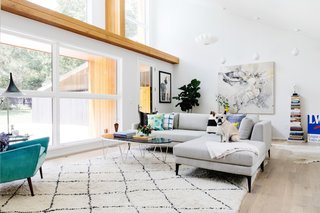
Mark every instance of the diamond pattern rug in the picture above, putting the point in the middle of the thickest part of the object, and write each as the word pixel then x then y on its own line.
pixel 138 184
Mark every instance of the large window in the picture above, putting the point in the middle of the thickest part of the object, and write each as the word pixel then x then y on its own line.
pixel 89 11
pixel 70 96
pixel 30 62
pixel 136 14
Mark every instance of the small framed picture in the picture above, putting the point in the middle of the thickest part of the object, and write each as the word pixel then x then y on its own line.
pixel 164 87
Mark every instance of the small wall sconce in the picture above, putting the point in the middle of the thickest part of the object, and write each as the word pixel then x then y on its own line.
pixel 256 56
pixel 295 51
pixel 223 60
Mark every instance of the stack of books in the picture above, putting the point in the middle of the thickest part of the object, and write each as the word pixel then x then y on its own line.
pixel 142 138
pixel 296 130
pixel 124 134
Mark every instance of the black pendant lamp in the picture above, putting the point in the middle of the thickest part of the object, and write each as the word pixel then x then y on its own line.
pixel 12 90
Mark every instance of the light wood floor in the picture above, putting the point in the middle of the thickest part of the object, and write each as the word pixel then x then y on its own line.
pixel 283 187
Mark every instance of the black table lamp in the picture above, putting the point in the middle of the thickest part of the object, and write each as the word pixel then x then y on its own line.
pixel 11 91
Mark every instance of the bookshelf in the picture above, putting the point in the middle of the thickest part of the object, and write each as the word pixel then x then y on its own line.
pixel 296 130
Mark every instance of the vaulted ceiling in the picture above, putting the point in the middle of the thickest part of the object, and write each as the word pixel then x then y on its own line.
pixel 301 16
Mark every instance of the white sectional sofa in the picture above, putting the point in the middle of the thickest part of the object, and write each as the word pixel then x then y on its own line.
pixel 190 137
pixel 187 126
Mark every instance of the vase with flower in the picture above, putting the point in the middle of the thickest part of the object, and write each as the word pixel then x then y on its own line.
pixel 145 130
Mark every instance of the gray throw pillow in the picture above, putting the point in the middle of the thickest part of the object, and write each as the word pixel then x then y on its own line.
pixel 245 129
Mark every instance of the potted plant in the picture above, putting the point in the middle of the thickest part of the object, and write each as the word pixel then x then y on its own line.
pixel 189 97
pixel 146 129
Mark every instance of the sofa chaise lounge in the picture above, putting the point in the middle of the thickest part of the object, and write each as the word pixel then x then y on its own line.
pixel 190 137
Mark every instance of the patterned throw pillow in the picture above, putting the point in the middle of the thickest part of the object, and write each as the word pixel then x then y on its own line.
pixel 212 125
pixel 155 121
pixel 236 119
pixel 168 120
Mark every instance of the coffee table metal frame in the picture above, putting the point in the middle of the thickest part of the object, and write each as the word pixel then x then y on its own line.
pixel 155 142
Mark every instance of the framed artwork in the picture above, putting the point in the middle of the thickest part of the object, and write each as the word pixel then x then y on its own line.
pixel 249 88
pixel 164 87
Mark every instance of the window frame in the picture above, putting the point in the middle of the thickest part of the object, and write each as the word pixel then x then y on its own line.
pixel 145 25
pixel 47 16
pixel 55 94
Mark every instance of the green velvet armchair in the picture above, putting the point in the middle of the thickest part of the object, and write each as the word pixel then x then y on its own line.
pixel 23 160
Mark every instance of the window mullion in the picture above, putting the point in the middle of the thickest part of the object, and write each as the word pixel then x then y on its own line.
pixel 55 98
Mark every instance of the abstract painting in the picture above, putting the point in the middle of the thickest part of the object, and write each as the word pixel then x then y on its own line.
pixel 164 87
pixel 249 88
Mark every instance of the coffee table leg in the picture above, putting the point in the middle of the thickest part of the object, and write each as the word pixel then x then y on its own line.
pixel 103 150
pixel 165 157
pixel 140 149
pixel 129 149
pixel 121 152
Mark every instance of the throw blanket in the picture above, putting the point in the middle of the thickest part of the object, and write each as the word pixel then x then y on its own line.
pixel 220 150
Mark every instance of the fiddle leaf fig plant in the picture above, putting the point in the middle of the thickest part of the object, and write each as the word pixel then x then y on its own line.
pixel 189 96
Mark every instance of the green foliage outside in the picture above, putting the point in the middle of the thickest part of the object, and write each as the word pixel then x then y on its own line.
pixel 31 69
pixel 131 12
pixel 73 8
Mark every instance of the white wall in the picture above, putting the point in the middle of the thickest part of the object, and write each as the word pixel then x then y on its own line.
pixel 128 61
pixel 175 23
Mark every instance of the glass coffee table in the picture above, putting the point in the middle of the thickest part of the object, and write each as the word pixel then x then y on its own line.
pixel 143 145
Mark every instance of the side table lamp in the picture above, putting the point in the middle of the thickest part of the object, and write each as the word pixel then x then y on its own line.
pixel 11 91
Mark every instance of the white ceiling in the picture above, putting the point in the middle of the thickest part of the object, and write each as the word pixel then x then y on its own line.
pixel 285 14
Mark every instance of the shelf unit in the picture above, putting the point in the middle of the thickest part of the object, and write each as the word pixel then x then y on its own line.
pixel 296 130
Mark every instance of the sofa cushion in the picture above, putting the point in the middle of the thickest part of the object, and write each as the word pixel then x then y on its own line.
pixel 178 135
pixel 246 127
pixel 212 125
pixel 197 149
pixel 168 120
pixel 236 119
pixel 155 121
pixel 193 121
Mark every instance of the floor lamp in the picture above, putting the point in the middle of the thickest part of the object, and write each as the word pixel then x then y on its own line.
pixel 11 91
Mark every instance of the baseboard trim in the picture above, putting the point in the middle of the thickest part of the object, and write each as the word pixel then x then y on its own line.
pixel 75 148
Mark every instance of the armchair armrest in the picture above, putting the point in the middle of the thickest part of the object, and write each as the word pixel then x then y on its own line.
pixel 19 163
pixel 42 141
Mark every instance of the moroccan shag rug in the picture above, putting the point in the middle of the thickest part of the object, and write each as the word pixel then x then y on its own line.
pixel 138 184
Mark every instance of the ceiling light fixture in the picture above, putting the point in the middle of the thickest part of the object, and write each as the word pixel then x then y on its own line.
pixel 295 51
pixel 206 39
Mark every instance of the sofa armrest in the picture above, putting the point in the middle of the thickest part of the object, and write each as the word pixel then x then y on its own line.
pixel 135 125
pixel 262 132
